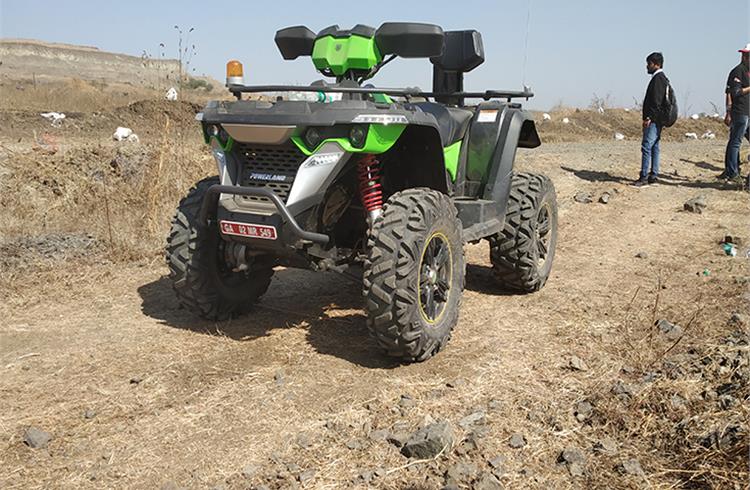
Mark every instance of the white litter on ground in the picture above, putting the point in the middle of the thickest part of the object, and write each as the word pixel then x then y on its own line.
pixel 171 94
pixel 125 134
pixel 691 136
pixel 695 117
pixel 546 117
pixel 565 120
pixel 708 135
pixel 56 118
pixel 619 136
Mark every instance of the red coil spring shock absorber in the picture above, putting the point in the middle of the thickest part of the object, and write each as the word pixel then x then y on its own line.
pixel 370 189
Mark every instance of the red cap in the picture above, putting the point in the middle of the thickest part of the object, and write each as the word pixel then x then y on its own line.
pixel 746 49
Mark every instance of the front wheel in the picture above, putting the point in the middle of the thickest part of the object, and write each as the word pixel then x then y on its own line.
pixel 205 284
pixel 414 274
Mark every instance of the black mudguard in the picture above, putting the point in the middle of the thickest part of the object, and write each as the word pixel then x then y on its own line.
pixel 485 174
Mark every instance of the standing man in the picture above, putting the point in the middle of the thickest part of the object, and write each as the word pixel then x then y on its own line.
pixel 738 114
pixel 656 93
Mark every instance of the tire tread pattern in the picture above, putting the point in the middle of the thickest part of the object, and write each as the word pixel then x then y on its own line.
pixel 191 258
pixel 513 250
pixel 391 273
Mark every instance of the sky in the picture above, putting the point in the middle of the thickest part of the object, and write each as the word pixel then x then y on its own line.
pixel 567 51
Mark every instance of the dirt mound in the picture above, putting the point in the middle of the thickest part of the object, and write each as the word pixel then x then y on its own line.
pixel 585 125
pixel 179 112
pixel 146 117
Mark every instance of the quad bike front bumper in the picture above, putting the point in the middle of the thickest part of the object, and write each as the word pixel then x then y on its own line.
pixel 277 231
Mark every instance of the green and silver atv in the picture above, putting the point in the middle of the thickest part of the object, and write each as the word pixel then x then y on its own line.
pixel 395 180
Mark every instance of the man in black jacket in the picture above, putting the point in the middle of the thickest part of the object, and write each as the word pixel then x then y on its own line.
pixel 738 113
pixel 653 104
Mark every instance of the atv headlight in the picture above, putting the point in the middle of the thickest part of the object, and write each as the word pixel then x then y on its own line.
pixel 312 138
pixel 322 159
pixel 357 136
pixel 221 160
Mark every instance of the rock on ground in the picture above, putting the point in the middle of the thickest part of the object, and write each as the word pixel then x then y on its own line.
pixel 36 438
pixel 630 467
pixel 583 410
pixel 695 205
pixel 460 472
pixel 472 419
pixel 487 482
pixel 606 446
pixel 429 441
pixel 517 441
pixel 574 460
pixel 306 476
pixel 577 364
pixel 672 331
pixel 583 197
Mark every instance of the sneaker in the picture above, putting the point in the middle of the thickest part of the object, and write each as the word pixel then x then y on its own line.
pixel 736 179
pixel 653 180
pixel 721 176
pixel 642 182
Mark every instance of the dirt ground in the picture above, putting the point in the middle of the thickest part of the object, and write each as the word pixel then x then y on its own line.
pixel 136 393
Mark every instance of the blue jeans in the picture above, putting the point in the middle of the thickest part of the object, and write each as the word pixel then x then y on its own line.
pixel 650 150
pixel 737 130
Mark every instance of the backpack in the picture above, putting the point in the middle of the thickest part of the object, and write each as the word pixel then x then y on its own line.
pixel 668 112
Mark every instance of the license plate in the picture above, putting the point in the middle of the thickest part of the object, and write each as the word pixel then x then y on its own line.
pixel 263 232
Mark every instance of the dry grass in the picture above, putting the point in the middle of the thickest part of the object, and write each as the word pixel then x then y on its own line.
pixel 123 193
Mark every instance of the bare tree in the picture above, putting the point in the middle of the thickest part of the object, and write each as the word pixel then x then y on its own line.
pixel 601 103
pixel 637 103
pixel 685 105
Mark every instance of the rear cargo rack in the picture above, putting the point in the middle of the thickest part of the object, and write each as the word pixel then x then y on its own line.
pixel 399 92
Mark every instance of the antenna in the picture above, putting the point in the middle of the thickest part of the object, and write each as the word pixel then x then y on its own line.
pixel 526 42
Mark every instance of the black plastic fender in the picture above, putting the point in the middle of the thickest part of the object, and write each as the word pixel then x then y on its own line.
pixel 517 128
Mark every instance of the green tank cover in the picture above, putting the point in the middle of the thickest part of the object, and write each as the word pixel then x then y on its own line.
pixel 347 53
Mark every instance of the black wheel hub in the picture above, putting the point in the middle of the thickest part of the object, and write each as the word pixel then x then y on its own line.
pixel 543 233
pixel 435 271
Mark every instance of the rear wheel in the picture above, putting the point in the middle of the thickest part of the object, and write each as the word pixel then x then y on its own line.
pixel 203 280
pixel 414 274
pixel 523 252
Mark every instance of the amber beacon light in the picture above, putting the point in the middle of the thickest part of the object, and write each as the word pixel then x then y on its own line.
pixel 234 73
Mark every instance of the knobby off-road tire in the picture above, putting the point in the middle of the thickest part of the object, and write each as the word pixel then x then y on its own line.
pixel 523 252
pixel 414 274
pixel 204 283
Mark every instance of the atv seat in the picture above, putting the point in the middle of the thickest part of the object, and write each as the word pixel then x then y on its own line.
pixel 452 122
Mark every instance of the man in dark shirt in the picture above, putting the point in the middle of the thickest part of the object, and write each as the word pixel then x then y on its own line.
pixel 738 113
pixel 653 104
